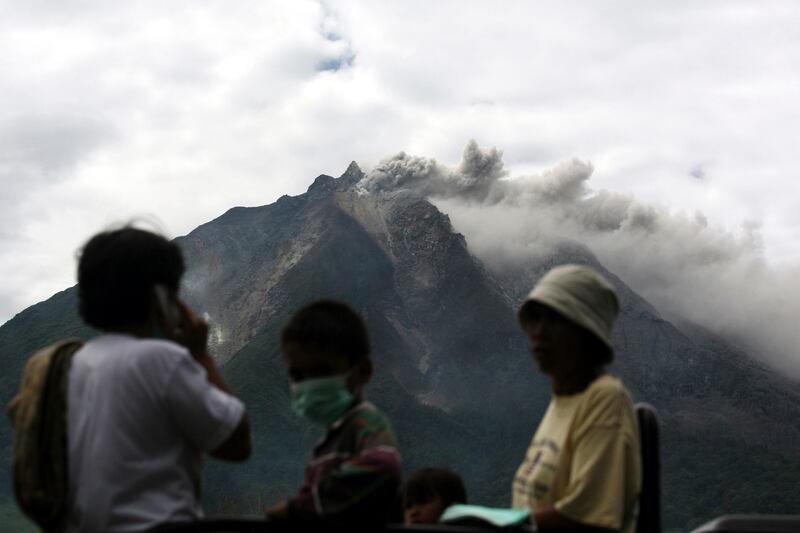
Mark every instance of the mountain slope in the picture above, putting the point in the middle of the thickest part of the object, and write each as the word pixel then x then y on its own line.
pixel 452 368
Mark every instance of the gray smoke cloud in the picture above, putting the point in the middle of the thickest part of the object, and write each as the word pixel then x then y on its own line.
pixel 688 268
pixel 474 179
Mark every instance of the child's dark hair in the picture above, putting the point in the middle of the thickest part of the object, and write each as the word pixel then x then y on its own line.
pixel 330 326
pixel 425 485
pixel 116 271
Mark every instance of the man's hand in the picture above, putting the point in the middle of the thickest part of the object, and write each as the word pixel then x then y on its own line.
pixel 190 332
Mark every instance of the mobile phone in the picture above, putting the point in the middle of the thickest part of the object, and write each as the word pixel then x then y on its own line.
pixel 169 311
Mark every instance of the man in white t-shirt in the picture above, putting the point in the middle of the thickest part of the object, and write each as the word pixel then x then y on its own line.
pixel 145 399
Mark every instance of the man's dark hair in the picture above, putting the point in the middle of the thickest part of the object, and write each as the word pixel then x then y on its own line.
pixel 116 272
pixel 425 485
pixel 328 326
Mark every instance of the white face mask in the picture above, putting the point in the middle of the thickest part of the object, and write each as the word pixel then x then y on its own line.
pixel 322 400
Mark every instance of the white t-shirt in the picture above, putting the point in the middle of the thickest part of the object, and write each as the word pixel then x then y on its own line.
pixel 141 412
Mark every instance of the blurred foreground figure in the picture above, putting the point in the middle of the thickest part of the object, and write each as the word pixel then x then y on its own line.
pixel 428 492
pixel 583 467
pixel 354 472
pixel 145 399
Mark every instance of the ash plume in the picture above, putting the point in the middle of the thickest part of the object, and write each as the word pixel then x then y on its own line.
pixel 472 180
pixel 689 269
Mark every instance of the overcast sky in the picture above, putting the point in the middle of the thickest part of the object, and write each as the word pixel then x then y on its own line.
pixel 176 111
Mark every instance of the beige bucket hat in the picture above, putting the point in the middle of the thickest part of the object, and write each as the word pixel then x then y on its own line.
pixel 582 295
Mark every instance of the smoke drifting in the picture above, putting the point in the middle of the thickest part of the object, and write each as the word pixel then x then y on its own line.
pixel 473 180
pixel 689 269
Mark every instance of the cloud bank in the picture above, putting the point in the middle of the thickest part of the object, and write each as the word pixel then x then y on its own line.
pixel 687 267
pixel 181 110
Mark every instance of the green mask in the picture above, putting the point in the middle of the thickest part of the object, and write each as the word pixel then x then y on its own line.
pixel 323 400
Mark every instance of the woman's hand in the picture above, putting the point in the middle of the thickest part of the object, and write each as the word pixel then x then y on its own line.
pixel 548 519
pixel 279 511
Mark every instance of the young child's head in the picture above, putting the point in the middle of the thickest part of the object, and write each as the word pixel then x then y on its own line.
pixel 326 351
pixel 428 492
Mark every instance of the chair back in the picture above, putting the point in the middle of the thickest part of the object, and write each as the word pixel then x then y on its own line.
pixel 752 523
pixel 649 520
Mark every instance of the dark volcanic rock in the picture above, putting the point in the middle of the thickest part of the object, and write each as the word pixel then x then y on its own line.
pixel 452 368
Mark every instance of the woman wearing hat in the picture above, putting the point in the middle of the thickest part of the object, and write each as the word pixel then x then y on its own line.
pixel 582 469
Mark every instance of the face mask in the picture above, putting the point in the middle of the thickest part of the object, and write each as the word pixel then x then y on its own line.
pixel 322 401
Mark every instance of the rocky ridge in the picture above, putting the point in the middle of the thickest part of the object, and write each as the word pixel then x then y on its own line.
pixel 452 369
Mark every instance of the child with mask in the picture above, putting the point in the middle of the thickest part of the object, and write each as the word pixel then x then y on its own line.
pixel 354 471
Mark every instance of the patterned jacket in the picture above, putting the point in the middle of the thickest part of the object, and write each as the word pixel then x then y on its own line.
pixel 354 472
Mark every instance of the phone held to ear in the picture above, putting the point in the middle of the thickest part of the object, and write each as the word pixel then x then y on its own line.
pixel 166 306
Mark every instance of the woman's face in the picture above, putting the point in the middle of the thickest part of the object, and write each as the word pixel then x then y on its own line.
pixel 555 342
pixel 424 513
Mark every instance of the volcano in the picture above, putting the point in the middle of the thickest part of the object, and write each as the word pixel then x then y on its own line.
pixel 452 369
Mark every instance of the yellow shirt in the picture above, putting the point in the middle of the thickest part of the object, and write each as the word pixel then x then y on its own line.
pixel 584 458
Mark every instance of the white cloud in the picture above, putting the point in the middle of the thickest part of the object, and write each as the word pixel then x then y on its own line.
pixel 184 109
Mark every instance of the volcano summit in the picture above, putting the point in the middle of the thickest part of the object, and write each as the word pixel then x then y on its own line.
pixel 452 368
